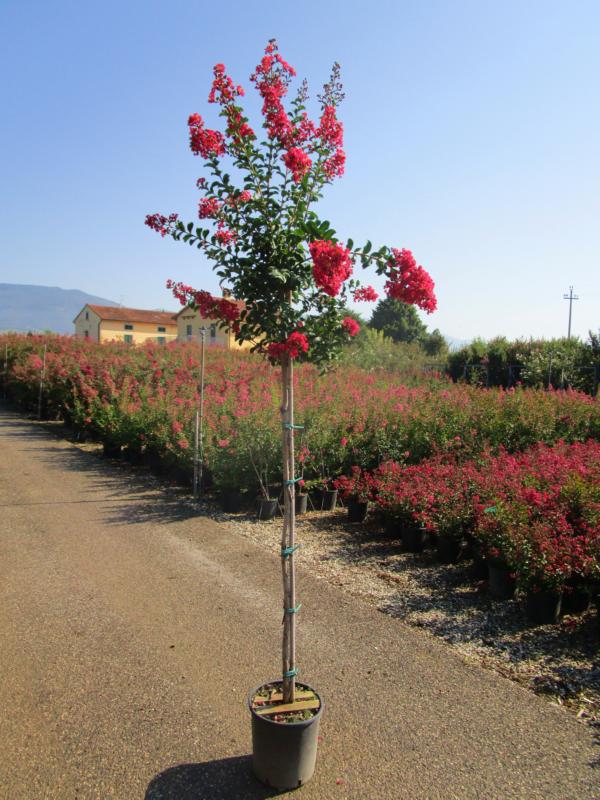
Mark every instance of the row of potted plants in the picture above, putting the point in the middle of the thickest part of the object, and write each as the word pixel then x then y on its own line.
pixel 530 520
pixel 145 399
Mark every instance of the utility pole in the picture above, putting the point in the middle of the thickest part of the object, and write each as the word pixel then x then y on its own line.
pixel 570 297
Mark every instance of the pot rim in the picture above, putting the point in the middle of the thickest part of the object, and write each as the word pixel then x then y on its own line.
pixel 302 724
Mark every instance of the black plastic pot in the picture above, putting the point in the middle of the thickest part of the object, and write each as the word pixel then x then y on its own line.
pixel 301 503
pixel 284 753
pixel 133 455
pixel 110 450
pixel 502 585
pixel 576 598
pixel 543 607
pixel 447 549
pixel 267 509
pixel 328 499
pixel 414 539
pixel 357 511
pixel 231 500
pixel 478 571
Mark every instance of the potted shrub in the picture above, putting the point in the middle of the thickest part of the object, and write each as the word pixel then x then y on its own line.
pixel 291 278
pixel 356 489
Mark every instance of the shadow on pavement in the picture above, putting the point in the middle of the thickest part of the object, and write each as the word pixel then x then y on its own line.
pixel 224 779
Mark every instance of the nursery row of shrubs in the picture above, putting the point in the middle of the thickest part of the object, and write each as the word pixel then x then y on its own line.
pixel 531 520
pixel 144 400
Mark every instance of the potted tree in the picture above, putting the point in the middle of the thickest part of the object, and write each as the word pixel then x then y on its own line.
pixel 294 278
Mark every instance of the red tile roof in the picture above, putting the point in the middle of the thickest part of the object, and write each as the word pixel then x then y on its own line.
pixel 134 315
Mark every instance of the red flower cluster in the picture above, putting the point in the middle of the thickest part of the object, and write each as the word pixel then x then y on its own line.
pixel 298 162
pixel 210 307
pixel 208 208
pixel 239 199
pixel 295 344
pixel 161 224
pixel 272 77
pixel 408 282
pixel 351 326
pixel 331 265
pixel 331 130
pixel 204 141
pixel 223 90
pixel 224 236
pixel 366 294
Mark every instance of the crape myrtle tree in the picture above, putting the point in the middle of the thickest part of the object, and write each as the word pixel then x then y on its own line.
pixel 289 275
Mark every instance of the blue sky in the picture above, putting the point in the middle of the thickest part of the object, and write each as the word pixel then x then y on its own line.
pixel 472 133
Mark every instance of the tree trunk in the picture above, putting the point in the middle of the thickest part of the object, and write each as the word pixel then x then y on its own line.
pixel 289 532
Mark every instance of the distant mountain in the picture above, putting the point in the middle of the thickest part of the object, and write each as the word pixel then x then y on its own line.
pixel 456 344
pixel 42 308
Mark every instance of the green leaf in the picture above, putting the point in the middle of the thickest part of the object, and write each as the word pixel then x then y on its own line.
pixel 367 248
pixel 190 227
pixel 349 244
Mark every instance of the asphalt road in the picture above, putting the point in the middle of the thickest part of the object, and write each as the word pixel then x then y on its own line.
pixel 132 629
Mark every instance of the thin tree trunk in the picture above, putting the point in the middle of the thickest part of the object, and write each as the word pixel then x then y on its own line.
pixel 289 532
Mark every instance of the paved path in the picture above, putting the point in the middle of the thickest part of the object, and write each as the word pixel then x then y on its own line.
pixel 130 632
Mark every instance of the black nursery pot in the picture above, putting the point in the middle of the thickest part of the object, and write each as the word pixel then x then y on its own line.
pixel 502 585
pixel 543 608
pixel 284 754
pixel 231 500
pixel 328 499
pixel 301 503
pixel 414 539
pixel 357 511
pixel 267 508
pixel 576 598
pixel 448 549
pixel 110 450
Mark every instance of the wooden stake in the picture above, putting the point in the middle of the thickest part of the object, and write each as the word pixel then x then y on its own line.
pixel 289 529
pixel 42 376
pixel 199 427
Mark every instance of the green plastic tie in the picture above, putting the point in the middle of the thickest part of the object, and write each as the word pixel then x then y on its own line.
pixel 293 480
pixel 290 673
pixel 490 510
pixel 287 551
pixel 294 610
pixel 289 426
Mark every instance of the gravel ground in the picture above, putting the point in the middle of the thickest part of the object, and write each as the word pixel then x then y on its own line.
pixel 560 661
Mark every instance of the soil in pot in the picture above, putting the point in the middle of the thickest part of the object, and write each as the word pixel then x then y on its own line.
pixel 502 585
pixel 267 508
pixel 284 737
pixel 301 501
pixel 543 607
pixel 357 511
pixel 231 500
pixel 414 539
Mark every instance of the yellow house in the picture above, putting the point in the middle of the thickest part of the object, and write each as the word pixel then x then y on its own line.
pixel 133 325
pixel 190 324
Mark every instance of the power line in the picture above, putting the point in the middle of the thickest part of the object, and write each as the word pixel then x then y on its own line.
pixel 570 297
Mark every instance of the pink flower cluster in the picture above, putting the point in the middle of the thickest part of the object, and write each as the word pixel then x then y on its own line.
pixel 295 344
pixel 366 294
pixel 351 326
pixel 272 77
pixel 204 141
pixel 409 282
pixel 210 307
pixel 298 162
pixel 332 265
pixel 331 132
pixel 208 208
pixel 161 224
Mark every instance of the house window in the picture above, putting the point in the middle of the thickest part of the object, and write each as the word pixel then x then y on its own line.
pixel 86 334
pixel 161 339
pixel 213 331
pixel 128 327
pixel 87 314
pixel 161 330
pixel 188 330
pixel 128 338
